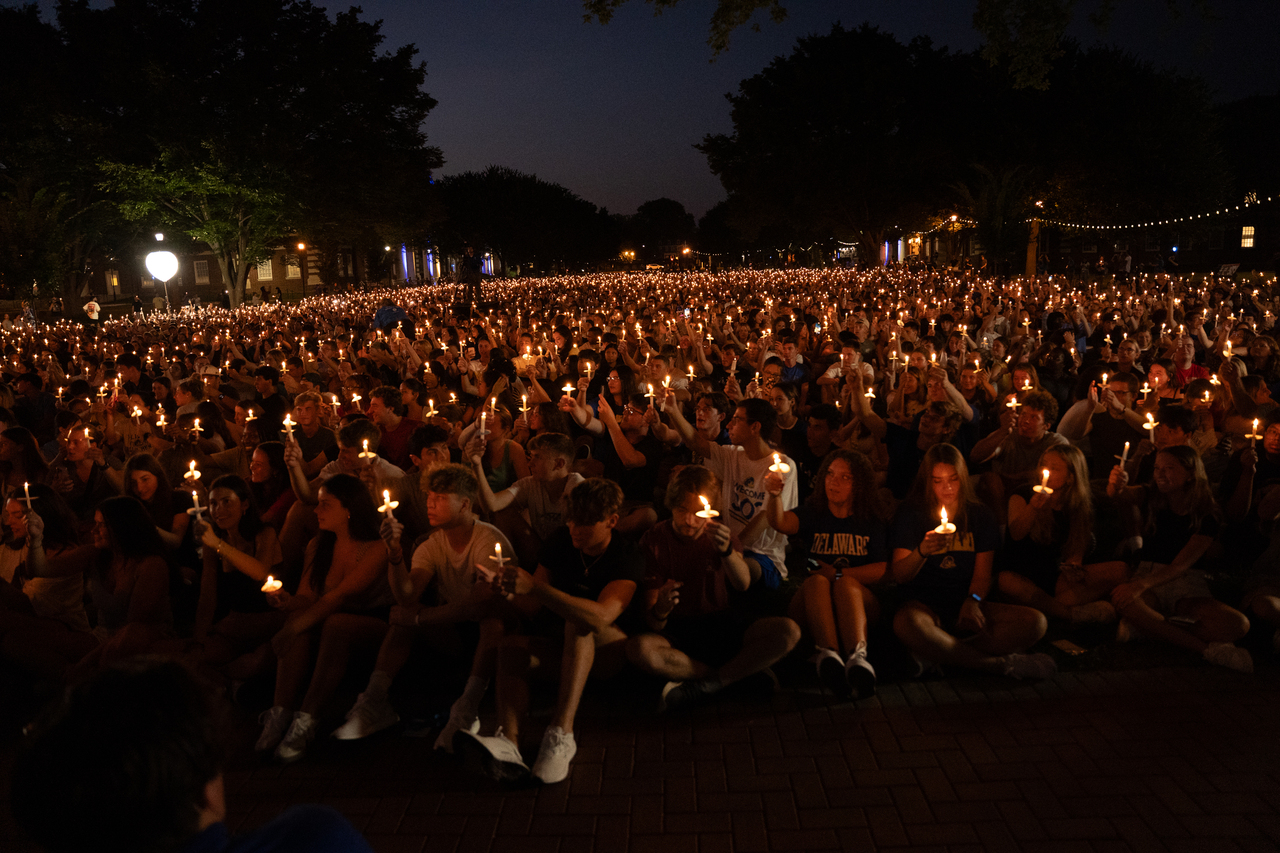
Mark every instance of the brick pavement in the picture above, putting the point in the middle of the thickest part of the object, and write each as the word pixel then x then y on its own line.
pixel 1170 757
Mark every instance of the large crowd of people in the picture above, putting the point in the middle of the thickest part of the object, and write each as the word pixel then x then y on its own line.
pixel 683 478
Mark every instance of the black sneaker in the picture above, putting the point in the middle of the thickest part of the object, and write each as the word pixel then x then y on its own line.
pixel 677 694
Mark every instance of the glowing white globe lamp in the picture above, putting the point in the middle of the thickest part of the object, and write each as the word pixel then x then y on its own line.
pixel 164 266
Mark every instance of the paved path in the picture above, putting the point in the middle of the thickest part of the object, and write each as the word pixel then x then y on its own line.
pixel 1171 757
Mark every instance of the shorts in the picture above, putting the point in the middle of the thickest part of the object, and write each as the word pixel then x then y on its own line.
pixel 770 577
pixel 713 638
pixel 1189 584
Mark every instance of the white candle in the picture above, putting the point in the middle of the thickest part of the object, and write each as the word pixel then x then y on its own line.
pixel 1253 436
pixel 365 454
pixel 272 585
pixel 26 491
pixel 1124 456
pixel 946 528
pixel 483 416
pixel 288 425
pixel 192 474
pixel 778 466
pixel 387 503
pixel 706 511
pixel 1043 488
pixel 1151 422
pixel 497 556
pixel 197 509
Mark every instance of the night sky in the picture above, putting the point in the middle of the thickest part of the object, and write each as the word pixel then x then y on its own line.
pixel 612 112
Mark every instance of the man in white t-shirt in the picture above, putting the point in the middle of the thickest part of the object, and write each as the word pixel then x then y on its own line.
pixel 447 562
pixel 741 468
pixel 91 309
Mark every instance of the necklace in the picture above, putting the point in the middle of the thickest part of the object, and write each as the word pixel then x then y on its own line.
pixel 586 567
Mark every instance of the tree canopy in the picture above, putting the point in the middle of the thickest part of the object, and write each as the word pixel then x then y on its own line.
pixel 233 121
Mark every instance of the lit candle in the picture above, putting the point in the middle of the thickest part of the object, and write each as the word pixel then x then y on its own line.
pixel 192 474
pixel 1253 436
pixel 365 454
pixel 691 370
pixel 431 408
pixel 26 489
pixel 387 503
pixel 946 528
pixel 288 425
pixel 733 367
pixel 195 428
pixel 1151 422
pixel 272 585
pixel 497 556
pixel 706 511
pixel 778 466
pixel 1124 455
pixel 650 395
pixel 197 509
pixel 568 389
pixel 1043 488
pixel 483 414
pixel 355 400
pixel 871 394
pixel 588 371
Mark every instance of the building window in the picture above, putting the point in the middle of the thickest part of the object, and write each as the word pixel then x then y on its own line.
pixel 1246 237
pixel 202 272
pixel 292 270
pixel 264 270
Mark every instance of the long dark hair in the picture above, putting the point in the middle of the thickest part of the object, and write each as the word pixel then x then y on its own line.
pixel 160 507
pixel 266 493
pixel 61 527
pixel 33 461
pixel 250 520
pixel 133 533
pixel 212 420
pixel 866 499
pixel 363 526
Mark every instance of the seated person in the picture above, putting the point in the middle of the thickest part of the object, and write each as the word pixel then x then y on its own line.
pixel 843 526
pixel 135 753
pixel 1014 450
pixel 233 616
pixel 43 623
pixel 443 572
pixel 544 494
pixel 1050 535
pixel 708 638
pixel 1168 598
pixel 585 581
pixel 341 602
pixel 944 579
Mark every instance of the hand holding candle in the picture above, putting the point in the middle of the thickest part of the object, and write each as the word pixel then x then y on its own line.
pixel 272 585
pixel 706 511
pixel 387 504
pixel 778 466
pixel 288 423
pixel 1043 488
pixel 946 528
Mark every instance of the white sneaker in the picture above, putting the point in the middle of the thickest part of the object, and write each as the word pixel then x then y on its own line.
pixel 1029 666
pixel 860 674
pixel 558 749
pixel 275 722
pixel 1094 611
pixel 456 724
pixel 301 732
pixel 495 757
pixel 831 672
pixel 366 717
pixel 1229 655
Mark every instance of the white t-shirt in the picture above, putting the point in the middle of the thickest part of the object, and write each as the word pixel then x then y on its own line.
pixel 743 495
pixel 545 515
pixel 92 308
pixel 455 571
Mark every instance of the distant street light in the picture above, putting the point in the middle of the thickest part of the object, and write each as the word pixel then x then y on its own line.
pixel 162 265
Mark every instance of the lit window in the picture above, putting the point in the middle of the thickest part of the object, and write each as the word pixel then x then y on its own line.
pixel 202 272
pixel 293 270
pixel 264 270
pixel 1246 237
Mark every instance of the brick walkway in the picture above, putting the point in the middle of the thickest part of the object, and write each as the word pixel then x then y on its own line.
pixel 1170 757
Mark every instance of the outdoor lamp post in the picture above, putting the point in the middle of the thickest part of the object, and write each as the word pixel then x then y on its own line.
pixel 162 265
pixel 302 263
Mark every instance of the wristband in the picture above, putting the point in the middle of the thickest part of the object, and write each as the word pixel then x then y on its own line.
pixel 975 597
pixel 727 551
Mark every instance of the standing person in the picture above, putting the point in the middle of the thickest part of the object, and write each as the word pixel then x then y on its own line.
pixel 91 310
pixel 137 304
pixel 587 577
pixel 944 579
pixel 469 275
